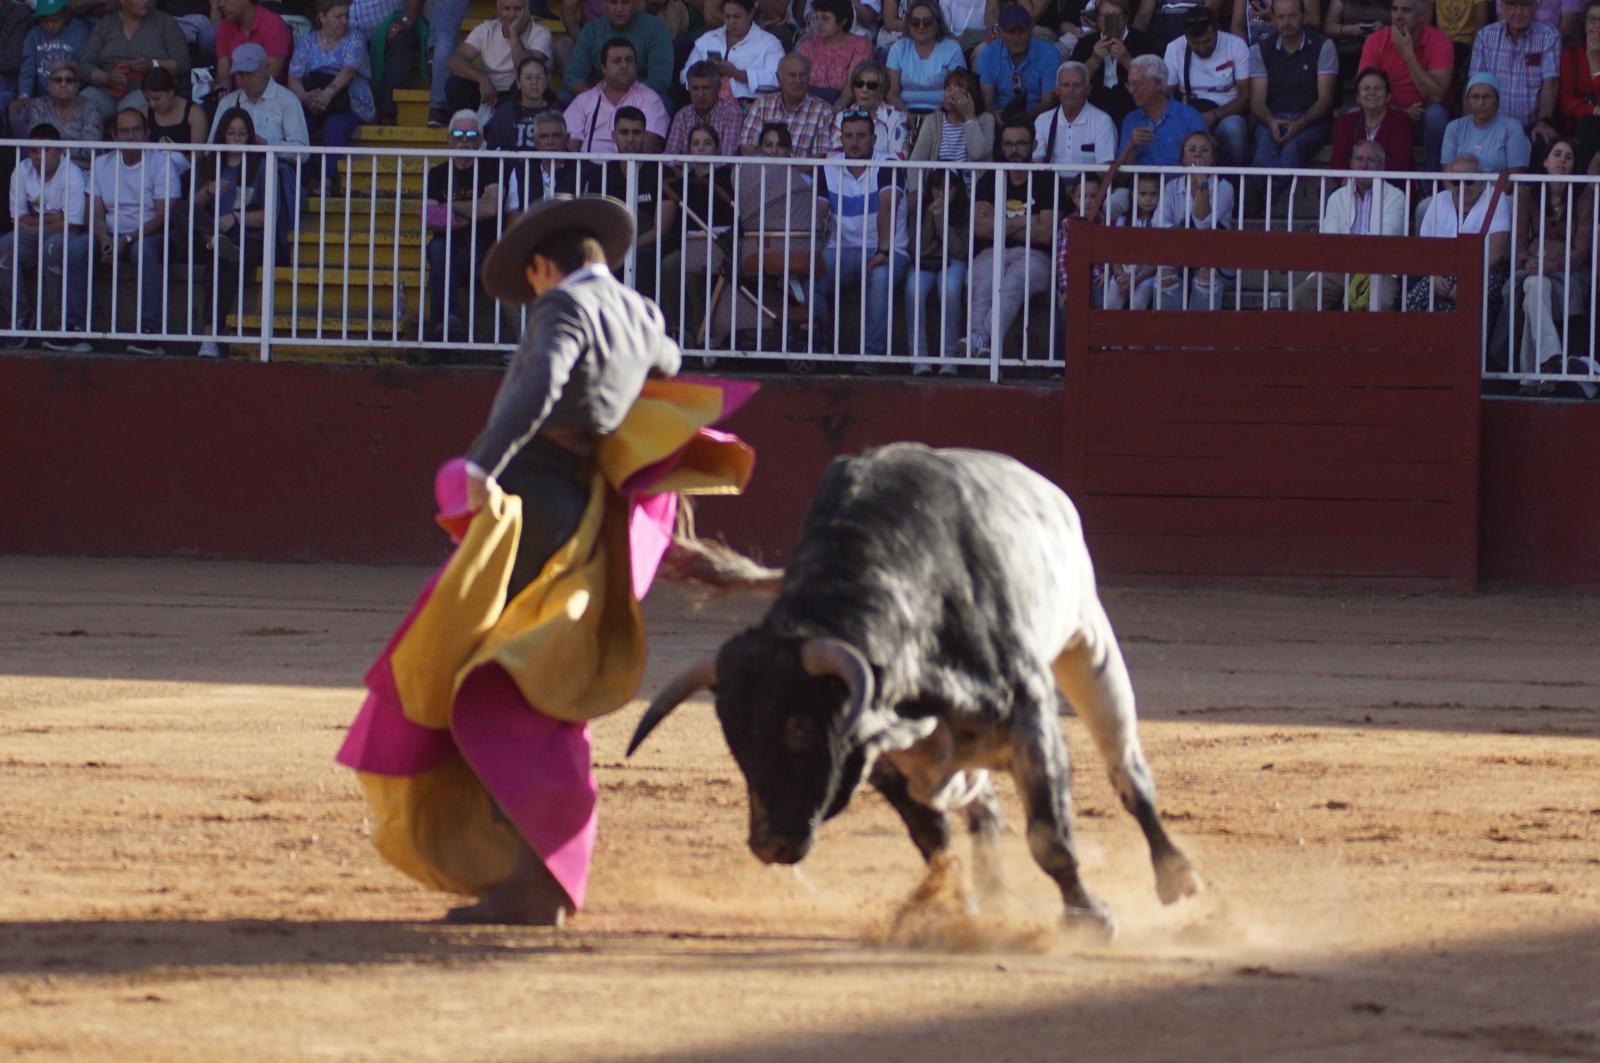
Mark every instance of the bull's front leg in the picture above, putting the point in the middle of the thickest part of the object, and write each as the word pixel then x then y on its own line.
pixel 929 827
pixel 1043 775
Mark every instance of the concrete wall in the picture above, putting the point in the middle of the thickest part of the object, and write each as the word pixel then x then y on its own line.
pixel 134 457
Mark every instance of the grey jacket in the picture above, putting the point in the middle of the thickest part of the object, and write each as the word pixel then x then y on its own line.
pixel 589 344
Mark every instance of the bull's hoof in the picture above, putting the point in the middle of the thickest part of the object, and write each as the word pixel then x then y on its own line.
pixel 1095 923
pixel 1176 879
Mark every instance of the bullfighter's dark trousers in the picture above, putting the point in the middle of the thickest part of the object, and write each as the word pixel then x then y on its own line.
pixel 553 484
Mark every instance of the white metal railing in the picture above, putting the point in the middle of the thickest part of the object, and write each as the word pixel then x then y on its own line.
pixel 748 260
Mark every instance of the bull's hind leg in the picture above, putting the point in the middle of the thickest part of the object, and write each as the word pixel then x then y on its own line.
pixel 1094 678
pixel 985 821
pixel 1044 777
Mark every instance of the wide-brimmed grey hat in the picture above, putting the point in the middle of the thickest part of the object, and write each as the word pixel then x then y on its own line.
pixel 607 219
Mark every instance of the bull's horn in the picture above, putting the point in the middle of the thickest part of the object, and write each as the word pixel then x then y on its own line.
pixel 699 677
pixel 825 656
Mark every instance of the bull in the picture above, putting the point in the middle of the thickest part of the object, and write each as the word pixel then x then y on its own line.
pixel 936 602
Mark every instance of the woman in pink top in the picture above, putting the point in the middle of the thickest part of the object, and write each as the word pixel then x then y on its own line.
pixel 833 50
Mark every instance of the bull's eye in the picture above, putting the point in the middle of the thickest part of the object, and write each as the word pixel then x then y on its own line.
pixel 799 733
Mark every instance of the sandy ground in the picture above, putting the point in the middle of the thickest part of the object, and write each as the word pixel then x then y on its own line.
pixel 1395 801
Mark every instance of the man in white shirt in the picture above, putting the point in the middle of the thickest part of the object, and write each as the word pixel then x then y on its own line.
pixel 1364 206
pixel 1209 69
pixel 130 201
pixel 277 114
pixel 869 239
pixel 1077 132
pixel 592 114
pixel 746 55
pixel 48 201
pixel 483 68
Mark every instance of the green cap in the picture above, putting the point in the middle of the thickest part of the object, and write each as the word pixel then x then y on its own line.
pixel 46 8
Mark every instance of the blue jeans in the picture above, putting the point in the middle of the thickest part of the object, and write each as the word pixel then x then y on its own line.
pixel 951 285
pixel 444 24
pixel 1434 119
pixel 844 264
pixel 1233 140
pixel 25 253
pixel 145 260
pixel 1293 152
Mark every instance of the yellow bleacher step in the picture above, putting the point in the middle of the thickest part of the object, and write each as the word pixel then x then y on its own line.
pixel 333 328
pixel 360 207
pixel 411 107
pixel 401 136
pixel 410 165
pixel 377 354
pixel 355 250
pixel 411 186
pixel 335 280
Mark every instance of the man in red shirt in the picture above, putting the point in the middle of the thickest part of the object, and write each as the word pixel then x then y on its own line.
pixel 1418 57
pixel 245 22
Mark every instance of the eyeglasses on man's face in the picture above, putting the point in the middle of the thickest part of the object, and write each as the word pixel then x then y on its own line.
pixel 863 83
pixel 63 79
pixel 921 23
pixel 464 134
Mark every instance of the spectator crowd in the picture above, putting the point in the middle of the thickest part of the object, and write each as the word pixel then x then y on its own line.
pixel 1456 85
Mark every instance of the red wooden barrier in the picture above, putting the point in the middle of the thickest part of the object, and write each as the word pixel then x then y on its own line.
pixel 1276 443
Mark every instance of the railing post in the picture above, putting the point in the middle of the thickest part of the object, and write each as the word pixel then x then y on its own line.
pixel 269 255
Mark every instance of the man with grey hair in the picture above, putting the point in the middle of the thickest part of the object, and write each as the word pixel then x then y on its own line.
pixel 1364 206
pixel 1076 132
pixel 1157 126
pixel 462 214
pixel 810 121
pixel 276 112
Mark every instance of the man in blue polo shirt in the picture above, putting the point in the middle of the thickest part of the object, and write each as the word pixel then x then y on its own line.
pixel 1018 63
pixel 1157 125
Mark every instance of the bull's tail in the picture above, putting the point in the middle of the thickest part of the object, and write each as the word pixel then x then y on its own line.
pixel 710 563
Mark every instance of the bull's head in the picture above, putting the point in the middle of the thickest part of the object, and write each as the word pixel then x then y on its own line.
pixel 801 722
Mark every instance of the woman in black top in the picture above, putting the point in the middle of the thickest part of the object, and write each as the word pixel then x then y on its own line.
pixel 172 118
pixel 696 221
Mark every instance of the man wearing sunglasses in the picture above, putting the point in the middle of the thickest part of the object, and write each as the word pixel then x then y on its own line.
pixel 463 214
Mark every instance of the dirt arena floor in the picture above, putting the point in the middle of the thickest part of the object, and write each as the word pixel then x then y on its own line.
pixel 1395 800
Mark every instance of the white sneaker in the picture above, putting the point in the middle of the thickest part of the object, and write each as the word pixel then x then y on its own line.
pixel 210 350
pixel 68 348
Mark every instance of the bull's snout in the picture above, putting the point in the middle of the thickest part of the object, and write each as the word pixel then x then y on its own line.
pixel 773 850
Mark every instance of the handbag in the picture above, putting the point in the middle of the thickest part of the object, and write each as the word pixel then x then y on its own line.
pixel 321 79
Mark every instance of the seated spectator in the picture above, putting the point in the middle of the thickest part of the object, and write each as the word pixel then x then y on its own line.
pixel 960 130
pixel 230 210
pixel 1460 20
pixel 592 113
pixel 940 254
pixel 1086 193
pixel 55 36
pixel 696 222
pixel 278 116
pixel 390 29
pixel 611 179
pixel 1018 72
pixel 123 48
pixel 1580 88
pixel 328 75
pixel 967 21
pixel 1294 79
pixel 546 177
pixel 808 119
pixel 1156 127
pixel 869 246
pixel 1497 142
pixel 1349 23
pixel 511 127
pixel 1200 201
pixel 745 54
pixel 1252 20
pixel 1375 120
pixel 1524 56
pixel 194 18
pixel 462 214
pixel 246 22
pixel 130 202
pixel 651 40
pixel 1025 258
pixel 1163 19
pixel 47 210
pixel 1563 16
pixel 777 222
pixel 919 62
pixel 1134 286
pixel 1552 233
pixel 1417 59
pixel 171 118
pixel 1076 133
pixel 706 106
pixel 1363 206
pixel 1107 54
pixel 78 117
pixel 483 68
pixel 834 51
pixel 1463 209
pixel 1210 71
pixel 868 83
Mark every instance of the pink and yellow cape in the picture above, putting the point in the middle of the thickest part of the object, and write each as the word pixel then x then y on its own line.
pixel 477 702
